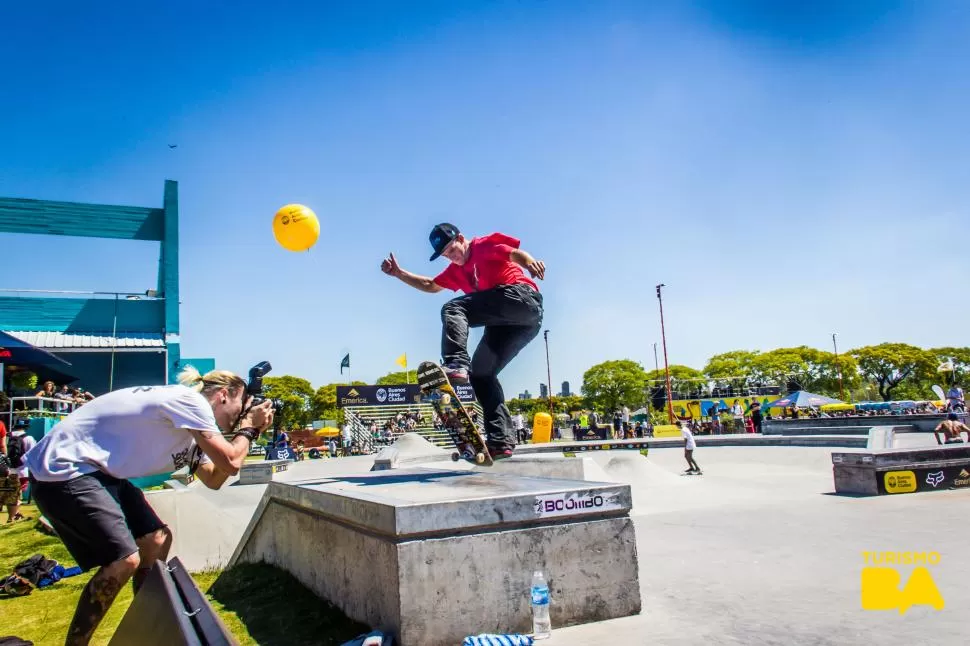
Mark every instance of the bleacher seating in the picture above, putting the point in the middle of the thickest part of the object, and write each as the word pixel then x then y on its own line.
pixel 360 416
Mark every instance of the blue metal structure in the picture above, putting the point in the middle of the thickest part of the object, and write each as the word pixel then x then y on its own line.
pixel 111 340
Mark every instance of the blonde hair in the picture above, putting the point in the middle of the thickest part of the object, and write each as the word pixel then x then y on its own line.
pixel 212 380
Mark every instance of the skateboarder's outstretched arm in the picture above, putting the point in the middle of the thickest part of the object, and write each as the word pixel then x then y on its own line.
pixel 424 283
pixel 536 268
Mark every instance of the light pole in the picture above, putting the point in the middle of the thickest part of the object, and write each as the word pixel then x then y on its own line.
pixel 838 367
pixel 663 337
pixel 545 336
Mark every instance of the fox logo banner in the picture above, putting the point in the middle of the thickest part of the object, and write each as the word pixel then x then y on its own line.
pixel 933 479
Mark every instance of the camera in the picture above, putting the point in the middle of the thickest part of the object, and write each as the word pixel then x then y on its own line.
pixel 255 386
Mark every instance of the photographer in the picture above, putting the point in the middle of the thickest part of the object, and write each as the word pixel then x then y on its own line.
pixel 79 473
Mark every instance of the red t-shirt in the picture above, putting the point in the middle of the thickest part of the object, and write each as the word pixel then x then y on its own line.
pixel 488 266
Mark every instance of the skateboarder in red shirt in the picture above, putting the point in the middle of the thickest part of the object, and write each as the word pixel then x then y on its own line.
pixel 497 295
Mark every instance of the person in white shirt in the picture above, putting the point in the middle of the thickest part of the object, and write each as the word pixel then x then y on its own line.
pixel 738 411
pixel 17 446
pixel 689 446
pixel 518 423
pixel 79 474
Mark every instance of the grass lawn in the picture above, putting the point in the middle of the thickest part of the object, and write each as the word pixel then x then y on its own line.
pixel 258 603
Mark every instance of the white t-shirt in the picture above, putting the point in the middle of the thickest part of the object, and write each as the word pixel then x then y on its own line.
pixel 687 435
pixel 127 433
pixel 28 443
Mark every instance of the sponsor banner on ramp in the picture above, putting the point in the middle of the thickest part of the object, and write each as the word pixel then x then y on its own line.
pixel 390 395
pixel 932 479
pixel 570 504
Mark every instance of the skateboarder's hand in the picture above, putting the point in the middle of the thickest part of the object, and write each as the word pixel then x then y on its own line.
pixel 260 417
pixel 390 266
pixel 537 269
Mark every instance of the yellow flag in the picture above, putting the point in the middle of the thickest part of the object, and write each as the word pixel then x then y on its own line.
pixel 403 361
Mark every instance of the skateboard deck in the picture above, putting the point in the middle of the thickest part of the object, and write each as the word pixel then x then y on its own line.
pixel 464 433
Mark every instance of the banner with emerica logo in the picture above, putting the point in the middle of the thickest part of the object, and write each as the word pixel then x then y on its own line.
pixel 401 395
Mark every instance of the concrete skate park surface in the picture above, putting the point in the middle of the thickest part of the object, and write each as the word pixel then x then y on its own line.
pixel 758 550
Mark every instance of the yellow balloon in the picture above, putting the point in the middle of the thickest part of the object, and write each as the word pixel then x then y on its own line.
pixel 296 227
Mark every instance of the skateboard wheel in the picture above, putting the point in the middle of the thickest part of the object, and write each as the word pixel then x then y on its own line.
pixel 455 456
pixel 480 458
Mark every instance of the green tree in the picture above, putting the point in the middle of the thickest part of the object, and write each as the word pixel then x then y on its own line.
pixel 295 393
pixel 822 375
pixel 612 384
pixel 683 379
pixel 323 404
pixel 398 378
pixel 529 407
pixel 569 403
pixel 892 366
pixel 782 366
pixel 961 366
pixel 735 366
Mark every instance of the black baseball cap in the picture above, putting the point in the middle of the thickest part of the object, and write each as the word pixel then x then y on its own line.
pixel 441 235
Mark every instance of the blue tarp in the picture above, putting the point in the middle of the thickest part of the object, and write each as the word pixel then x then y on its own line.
pixel 15 351
pixel 802 399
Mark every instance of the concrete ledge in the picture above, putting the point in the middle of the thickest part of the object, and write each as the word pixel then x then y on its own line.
pixel 549 465
pixel 261 472
pixel 408 450
pixel 921 423
pixel 894 471
pixel 896 457
pixel 433 556
pixel 748 439
pixel 826 430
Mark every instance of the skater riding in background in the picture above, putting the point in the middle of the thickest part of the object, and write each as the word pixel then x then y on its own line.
pixel 491 271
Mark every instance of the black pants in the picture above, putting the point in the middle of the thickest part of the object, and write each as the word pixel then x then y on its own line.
pixel 512 316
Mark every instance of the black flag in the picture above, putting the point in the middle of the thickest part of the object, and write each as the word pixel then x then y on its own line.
pixel 345 363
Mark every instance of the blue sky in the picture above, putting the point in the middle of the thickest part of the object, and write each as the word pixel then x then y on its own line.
pixel 787 174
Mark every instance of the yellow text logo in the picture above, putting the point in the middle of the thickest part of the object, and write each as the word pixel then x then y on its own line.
pixel 881 583
pixel 900 481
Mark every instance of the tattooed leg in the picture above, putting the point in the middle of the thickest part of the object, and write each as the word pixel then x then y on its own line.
pixel 151 547
pixel 97 597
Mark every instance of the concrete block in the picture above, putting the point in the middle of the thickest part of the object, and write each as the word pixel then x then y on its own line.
pixel 852 479
pixel 881 437
pixel 410 449
pixel 435 555
pixel 548 466
pixel 261 472
pixel 895 471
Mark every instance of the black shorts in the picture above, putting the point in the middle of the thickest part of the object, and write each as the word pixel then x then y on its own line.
pixel 97 516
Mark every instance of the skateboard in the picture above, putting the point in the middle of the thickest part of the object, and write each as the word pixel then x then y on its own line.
pixel 467 438
pixel 692 473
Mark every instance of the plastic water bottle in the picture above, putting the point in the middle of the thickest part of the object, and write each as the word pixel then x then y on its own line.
pixel 541 625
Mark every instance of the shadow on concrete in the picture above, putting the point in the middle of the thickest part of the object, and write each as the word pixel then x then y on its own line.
pixel 836 494
pixel 391 478
pixel 277 610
